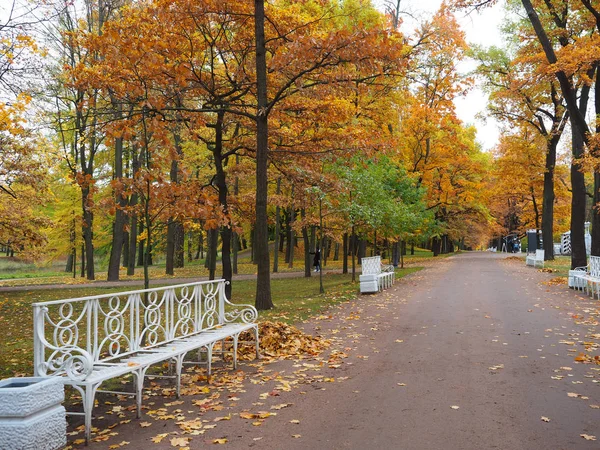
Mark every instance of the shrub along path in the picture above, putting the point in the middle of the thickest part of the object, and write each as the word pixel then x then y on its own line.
pixel 477 352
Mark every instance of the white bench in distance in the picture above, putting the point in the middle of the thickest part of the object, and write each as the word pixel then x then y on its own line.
pixel 87 341
pixel 375 277
pixel 535 259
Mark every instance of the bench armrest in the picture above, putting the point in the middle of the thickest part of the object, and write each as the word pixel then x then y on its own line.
pixel 247 313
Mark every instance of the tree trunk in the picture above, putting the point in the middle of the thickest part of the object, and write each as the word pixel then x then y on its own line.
pixel 114 263
pixel 211 256
pixel 345 253
pixel 306 241
pixel 578 201
pixel 263 281
pixel 200 251
pixel 190 237
pixel 548 201
pixel 595 250
pixel 170 257
pixel 235 242
pixel 70 262
pixel 141 250
pixel 277 230
pixel 221 183
pixel 132 244
pixel 352 251
pixel 82 260
pixel 88 235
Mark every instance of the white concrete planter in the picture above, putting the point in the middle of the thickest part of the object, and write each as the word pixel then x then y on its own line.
pixel 31 414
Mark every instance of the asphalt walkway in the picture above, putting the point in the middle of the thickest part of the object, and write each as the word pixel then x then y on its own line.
pixel 476 352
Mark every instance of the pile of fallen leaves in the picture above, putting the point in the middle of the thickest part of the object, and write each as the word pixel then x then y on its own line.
pixel 514 258
pixel 280 340
pixel 556 281
pixel 548 270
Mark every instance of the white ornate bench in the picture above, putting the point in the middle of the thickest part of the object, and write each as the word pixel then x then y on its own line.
pixel 375 276
pixel 588 278
pixel 87 341
pixel 535 259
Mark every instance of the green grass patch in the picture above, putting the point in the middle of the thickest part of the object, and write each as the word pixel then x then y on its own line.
pixel 296 299
pixel 561 265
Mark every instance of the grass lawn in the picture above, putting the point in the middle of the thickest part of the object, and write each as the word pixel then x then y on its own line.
pixel 16 273
pixel 295 300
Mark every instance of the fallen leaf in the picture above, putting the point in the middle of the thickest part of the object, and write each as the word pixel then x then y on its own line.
pixel 588 437
pixel 455 407
pixel 145 424
pixel 218 419
pixel 545 419
pixel 296 436
pixel 219 441
pixel 179 441
pixel 572 394
pixel 159 437
pixel 295 421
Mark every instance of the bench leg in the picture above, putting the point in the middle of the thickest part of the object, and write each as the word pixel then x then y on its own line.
pixel 234 350
pixel 139 388
pixel 209 352
pixel 257 342
pixel 87 396
pixel 178 370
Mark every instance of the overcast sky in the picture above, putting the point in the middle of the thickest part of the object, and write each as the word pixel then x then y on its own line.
pixel 481 29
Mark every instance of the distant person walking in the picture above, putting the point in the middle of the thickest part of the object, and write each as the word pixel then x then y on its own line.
pixel 317 260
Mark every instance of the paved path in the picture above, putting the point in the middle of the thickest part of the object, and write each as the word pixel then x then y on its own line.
pixel 475 331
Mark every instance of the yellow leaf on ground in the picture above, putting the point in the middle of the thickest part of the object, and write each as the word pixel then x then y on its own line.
pixel 219 441
pixel 455 407
pixel 572 394
pixel 588 437
pixel 296 436
pixel 218 419
pixel 545 419
pixel 159 437
pixel 145 424
pixel 294 421
pixel 179 441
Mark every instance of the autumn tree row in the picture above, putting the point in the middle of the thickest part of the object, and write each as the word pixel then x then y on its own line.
pixel 171 117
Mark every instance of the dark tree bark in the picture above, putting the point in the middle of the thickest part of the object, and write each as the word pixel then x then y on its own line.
pixel 221 183
pixel 200 251
pixel 306 241
pixel 595 250
pixel 345 253
pixel 548 201
pixel 277 230
pixel 211 255
pixel 114 263
pixel 140 258
pixel 235 245
pixel 88 233
pixel 263 281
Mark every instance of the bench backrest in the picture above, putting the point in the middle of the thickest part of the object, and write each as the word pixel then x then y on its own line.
pixel 371 265
pixel 539 255
pixel 71 335
pixel 595 266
